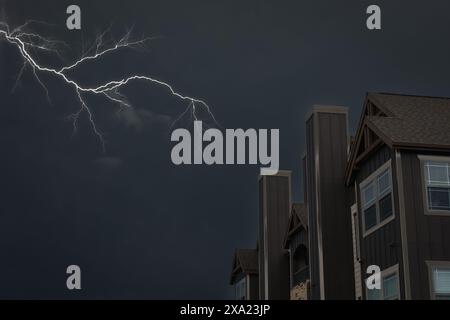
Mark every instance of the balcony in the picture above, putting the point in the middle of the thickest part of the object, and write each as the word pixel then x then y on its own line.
pixel 300 276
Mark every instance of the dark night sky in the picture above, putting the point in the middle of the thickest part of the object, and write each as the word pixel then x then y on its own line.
pixel 138 226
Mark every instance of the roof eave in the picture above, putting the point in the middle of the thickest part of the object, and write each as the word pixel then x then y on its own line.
pixel 421 146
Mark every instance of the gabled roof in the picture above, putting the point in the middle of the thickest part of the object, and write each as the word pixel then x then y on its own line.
pixel 245 261
pixel 415 121
pixel 400 121
pixel 297 219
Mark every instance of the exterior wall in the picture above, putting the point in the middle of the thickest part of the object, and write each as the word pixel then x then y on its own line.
pixel 275 205
pixel 251 284
pixel 236 279
pixel 428 235
pixel 356 253
pixel 381 247
pixel 300 238
pixel 252 287
pixel 301 291
pixel 331 256
pixel 261 265
pixel 304 180
pixel 310 187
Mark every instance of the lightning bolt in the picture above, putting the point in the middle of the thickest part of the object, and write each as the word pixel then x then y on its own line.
pixel 30 43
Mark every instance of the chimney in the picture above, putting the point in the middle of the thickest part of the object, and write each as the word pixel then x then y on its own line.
pixel 274 209
pixel 328 211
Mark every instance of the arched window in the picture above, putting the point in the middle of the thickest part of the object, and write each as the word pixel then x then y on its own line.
pixel 300 258
pixel 300 268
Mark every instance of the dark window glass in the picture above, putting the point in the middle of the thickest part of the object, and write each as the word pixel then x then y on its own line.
pixel 370 217
pixel 300 258
pixel 385 207
pixel 240 289
pixel 373 294
pixel 437 173
pixel 438 198
pixel 390 287
pixel 369 194
pixel 384 182
pixel 441 282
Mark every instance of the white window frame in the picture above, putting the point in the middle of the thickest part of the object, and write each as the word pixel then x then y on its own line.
pixel 356 252
pixel 384 274
pixel 433 264
pixel 373 179
pixel 238 286
pixel 423 160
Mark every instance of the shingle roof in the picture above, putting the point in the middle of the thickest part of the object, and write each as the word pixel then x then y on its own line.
pixel 248 258
pixel 300 210
pixel 245 261
pixel 298 217
pixel 412 120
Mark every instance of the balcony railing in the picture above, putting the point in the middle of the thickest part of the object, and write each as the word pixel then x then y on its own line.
pixel 300 276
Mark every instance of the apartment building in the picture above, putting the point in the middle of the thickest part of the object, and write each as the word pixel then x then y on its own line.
pixel 398 174
pixel 380 200
pixel 330 241
pixel 297 245
pixel 244 275
pixel 270 256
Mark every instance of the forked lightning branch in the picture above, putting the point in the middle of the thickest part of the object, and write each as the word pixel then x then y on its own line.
pixel 31 44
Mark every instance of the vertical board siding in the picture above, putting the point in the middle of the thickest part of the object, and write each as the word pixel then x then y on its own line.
pixel 428 235
pixel 334 210
pixel 329 221
pixel 261 268
pixel 300 238
pixel 311 194
pixel 383 246
pixel 253 283
pixel 275 195
pixel 356 263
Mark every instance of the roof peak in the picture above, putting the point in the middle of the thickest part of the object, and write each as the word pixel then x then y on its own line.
pixel 406 95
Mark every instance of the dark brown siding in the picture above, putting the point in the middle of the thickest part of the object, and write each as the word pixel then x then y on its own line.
pixel 261 267
pixel 304 181
pixel 334 211
pixel 276 207
pixel 311 195
pixel 254 284
pixel 383 246
pixel 428 236
pixel 329 215
pixel 373 163
pixel 299 239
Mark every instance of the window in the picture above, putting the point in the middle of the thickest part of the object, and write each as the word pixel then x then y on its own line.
pixel 437 182
pixel 373 294
pixel 241 289
pixel 300 270
pixel 389 286
pixel 440 282
pixel 376 195
pixel 385 207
